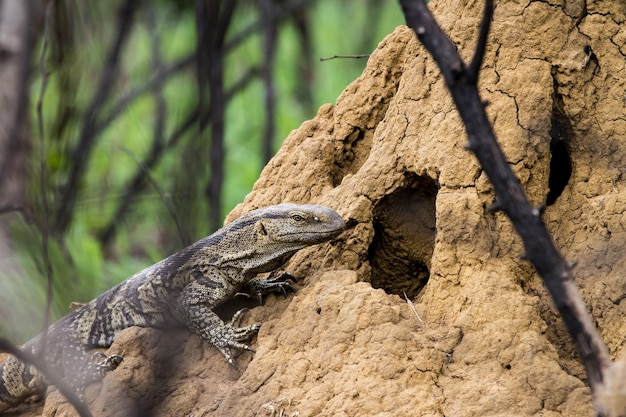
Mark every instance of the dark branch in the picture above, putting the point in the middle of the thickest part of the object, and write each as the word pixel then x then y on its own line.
pixel 45 229
pixel 510 197
pixel 328 58
pixel 270 28
pixel 12 158
pixel 481 44
pixel 166 202
pixel 213 21
pixel 87 137
pixel 284 11
pixel 152 85
pixel 137 184
pixel 52 377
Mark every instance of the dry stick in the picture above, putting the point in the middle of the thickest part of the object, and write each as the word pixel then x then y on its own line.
pixel 345 56
pixel 10 208
pixel 166 201
pixel 160 117
pixel 213 31
pixel 50 375
pixel 87 138
pixel 5 345
pixel 412 307
pixel 510 197
pixel 47 265
pixel 157 150
pixel 284 11
pixel 157 81
pixel 270 27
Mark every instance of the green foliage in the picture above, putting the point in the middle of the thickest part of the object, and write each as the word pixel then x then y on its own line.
pixel 147 231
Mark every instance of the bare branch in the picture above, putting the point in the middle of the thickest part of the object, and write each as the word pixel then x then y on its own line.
pixel 10 208
pixel 270 28
pixel 166 202
pixel 213 20
pixel 16 53
pixel 481 44
pixel 510 197
pixel 284 11
pixel 345 56
pixel 51 376
pixel 156 152
pixel 151 85
pixel 87 137
pixel 47 265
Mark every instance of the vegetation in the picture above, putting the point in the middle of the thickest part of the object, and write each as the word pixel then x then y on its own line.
pixel 143 179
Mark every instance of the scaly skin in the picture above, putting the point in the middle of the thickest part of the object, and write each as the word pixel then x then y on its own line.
pixel 182 289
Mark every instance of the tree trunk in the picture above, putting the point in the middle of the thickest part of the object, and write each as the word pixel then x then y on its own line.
pixel 17 35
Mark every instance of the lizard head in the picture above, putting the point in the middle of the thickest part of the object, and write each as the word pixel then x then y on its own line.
pixel 264 239
pixel 298 224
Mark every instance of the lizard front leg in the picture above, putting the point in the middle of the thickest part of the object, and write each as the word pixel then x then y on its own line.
pixel 194 309
pixel 82 367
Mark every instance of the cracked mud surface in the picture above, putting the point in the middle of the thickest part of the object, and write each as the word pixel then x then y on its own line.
pixel 490 342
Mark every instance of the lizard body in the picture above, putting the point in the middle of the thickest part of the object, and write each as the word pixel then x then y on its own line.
pixel 180 290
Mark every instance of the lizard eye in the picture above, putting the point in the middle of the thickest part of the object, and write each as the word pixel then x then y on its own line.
pixel 297 217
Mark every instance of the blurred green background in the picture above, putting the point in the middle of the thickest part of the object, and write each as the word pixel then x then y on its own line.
pixel 170 208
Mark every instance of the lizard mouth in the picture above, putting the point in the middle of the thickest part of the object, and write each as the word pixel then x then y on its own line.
pixel 311 236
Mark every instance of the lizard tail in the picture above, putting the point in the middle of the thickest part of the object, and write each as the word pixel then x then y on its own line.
pixel 18 381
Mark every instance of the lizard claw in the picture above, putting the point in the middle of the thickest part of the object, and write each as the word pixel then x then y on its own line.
pixel 236 320
pixel 107 363
pixel 257 288
pixel 230 335
pixel 236 345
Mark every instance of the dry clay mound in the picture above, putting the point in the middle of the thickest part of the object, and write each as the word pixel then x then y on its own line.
pixel 389 156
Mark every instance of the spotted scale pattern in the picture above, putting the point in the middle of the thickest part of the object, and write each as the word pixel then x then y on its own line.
pixel 182 289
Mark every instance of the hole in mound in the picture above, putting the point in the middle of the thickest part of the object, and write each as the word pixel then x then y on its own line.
pixel 404 239
pixel 560 161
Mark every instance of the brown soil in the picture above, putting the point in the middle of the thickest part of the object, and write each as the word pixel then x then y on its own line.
pixel 390 157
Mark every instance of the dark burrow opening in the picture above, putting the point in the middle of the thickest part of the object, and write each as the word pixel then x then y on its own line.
pixel 404 239
pixel 560 162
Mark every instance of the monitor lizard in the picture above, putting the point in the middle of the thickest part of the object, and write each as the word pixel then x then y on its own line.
pixel 182 290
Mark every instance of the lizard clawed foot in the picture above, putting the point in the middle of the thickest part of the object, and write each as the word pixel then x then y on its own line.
pixel 257 288
pixel 107 363
pixel 230 335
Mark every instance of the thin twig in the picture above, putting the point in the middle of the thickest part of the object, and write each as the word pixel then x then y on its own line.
pixel 47 265
pixel 52 377
pixel 151 85
pixel 157 150
pixel 138 181
pixel 285 10
pixel 166 201
pixel 10 208
pixel 481 44
pixel 412 307
pixel 87 138
pixel 345 56
pixel 270 27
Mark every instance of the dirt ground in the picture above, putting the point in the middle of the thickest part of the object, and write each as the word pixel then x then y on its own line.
pixel 479 336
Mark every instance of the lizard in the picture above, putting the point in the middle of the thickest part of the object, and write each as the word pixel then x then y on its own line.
pixel 180 290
